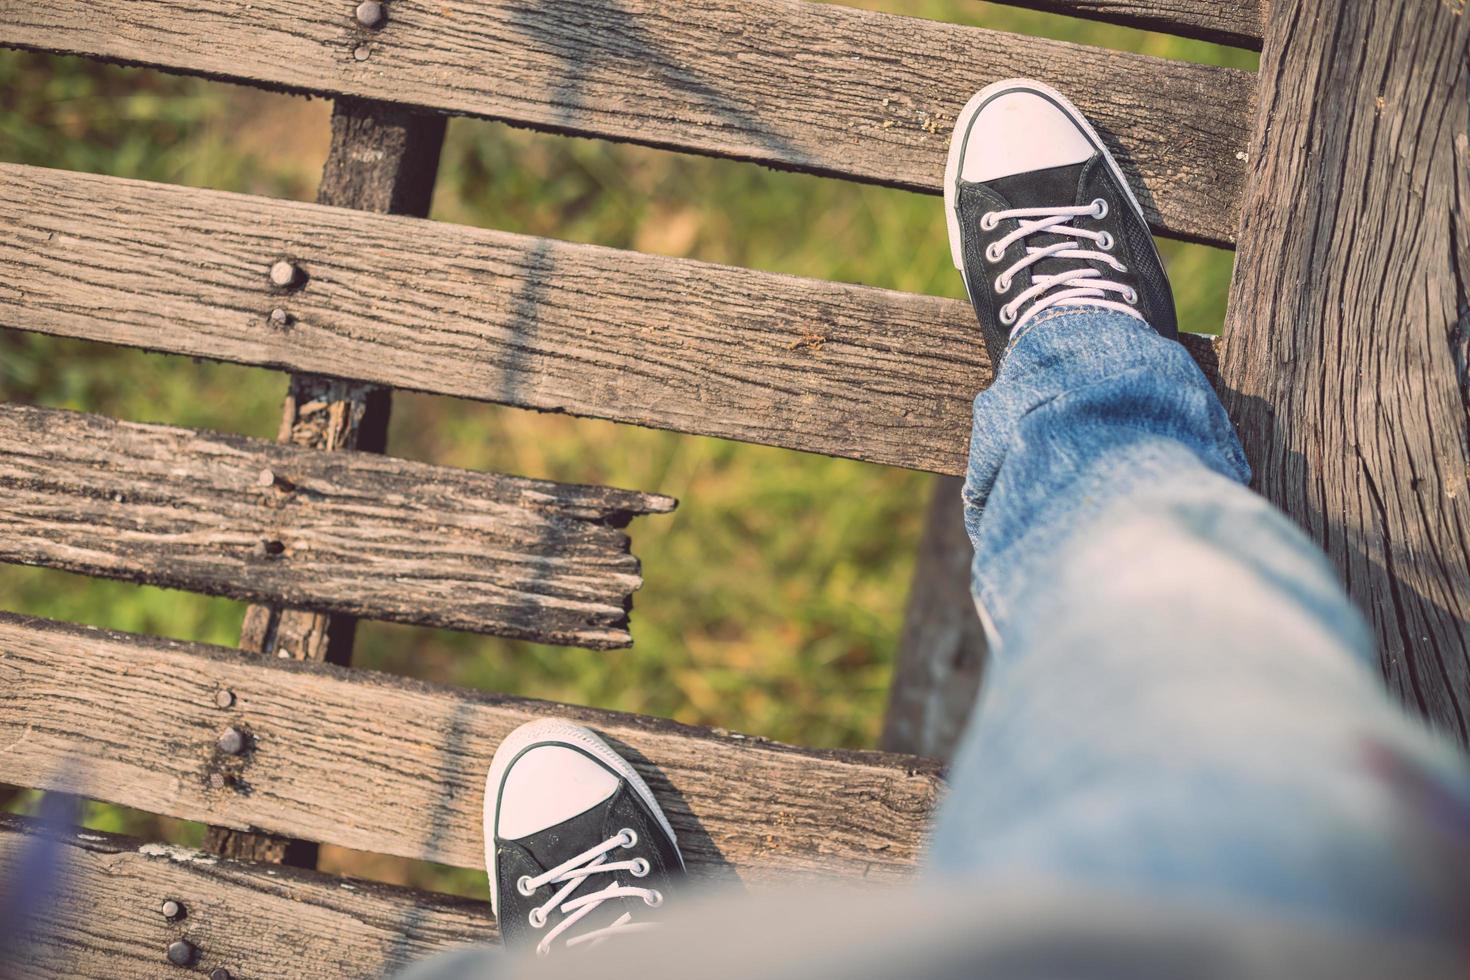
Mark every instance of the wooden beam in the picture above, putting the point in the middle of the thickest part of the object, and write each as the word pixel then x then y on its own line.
pixel 1347 338
pixel 354 533
pixel 253 920
pixel 1233 22
pixel 942 651
pixel 381 764
pixel 816 87
pixel 690 346
pixel 382 159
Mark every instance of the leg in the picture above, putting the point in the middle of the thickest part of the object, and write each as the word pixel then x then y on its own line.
pixel 1181 699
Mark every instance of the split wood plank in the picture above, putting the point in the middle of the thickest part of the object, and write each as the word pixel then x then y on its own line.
pixel 1345 362
pixel 789 83
pixel 251 919
pixel 391 766
pixel 1232 22
pixel 354 533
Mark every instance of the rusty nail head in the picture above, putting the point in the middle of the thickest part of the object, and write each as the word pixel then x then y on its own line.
pixel 279 317
pixel 171 909
pixel 362 52
pixel 219 973
pixel 182 953
pixel 224 698
pixel 231 741
pixel 217 780
pixel 266 478
pixel 370 13
pixel 284 274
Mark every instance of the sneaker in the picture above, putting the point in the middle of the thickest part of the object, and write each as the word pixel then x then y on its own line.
pixel 1040 216
pixel 577 848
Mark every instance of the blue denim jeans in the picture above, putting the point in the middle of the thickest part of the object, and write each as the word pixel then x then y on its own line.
pixel 1181 699
pixel 1182 709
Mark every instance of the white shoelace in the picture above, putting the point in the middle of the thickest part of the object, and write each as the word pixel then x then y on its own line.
pixel 570 874
pixel 1082 286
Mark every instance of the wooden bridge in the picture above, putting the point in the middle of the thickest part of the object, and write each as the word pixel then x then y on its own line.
pixel 1341 171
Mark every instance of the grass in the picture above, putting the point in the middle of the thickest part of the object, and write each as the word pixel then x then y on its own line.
pixel 774 595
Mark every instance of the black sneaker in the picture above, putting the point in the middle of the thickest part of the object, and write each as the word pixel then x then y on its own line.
pixel 577 848
pixel 1040 216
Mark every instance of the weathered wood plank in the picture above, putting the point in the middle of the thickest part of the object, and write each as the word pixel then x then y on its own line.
pixel 942 651
pixel 391 766
pixel 355 533
pixel 794 84
pixel 382 159
pixel 1233 22
pixel 1348 335
pixel 250 919
pixel 689 346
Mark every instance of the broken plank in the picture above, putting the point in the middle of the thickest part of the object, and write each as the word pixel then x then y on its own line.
pixel 345 532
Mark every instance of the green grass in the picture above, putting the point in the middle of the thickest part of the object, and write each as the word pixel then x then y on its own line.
pixel 773 596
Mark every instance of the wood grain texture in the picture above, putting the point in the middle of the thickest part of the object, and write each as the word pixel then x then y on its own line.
pixel 354 533
pixel 1346 344
pixel 251 919
pixel 789 83
pixel 395 767
pixel 1233 22
pixel 942 650
pixel 689 346
pixel 383 159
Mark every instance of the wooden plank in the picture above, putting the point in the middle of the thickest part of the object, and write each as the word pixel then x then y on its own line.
pixel 1346 344
pixel 381 764
pixel 789 83
pixel 689 346
pixel 1233 22
pixel 382 159
pixel 253 920
pixel 345 532
pixel 942 651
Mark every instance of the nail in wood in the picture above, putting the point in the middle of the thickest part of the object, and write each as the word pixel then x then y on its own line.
pixel 370 13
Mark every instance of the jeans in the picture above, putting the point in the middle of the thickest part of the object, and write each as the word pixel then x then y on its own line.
pixel 1181 700
pixel 1181 706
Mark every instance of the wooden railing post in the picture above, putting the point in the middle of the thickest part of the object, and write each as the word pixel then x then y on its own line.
pixel 383 159
pixel 942 651
pixel 1345 349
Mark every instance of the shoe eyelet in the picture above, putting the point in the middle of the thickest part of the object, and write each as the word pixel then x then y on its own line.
pixel 523 885
pixel 994 253
pixel 537 918
pixel 641 867
pixel 1105 242
pixel 1131 296
pixel 654 899
pixel 628 837
pixel 1007 315
pixel 989 220
pixel 1099 208
pixel 1002 285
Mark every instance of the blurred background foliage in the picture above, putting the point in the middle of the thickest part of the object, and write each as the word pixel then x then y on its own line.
pixel 774 595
